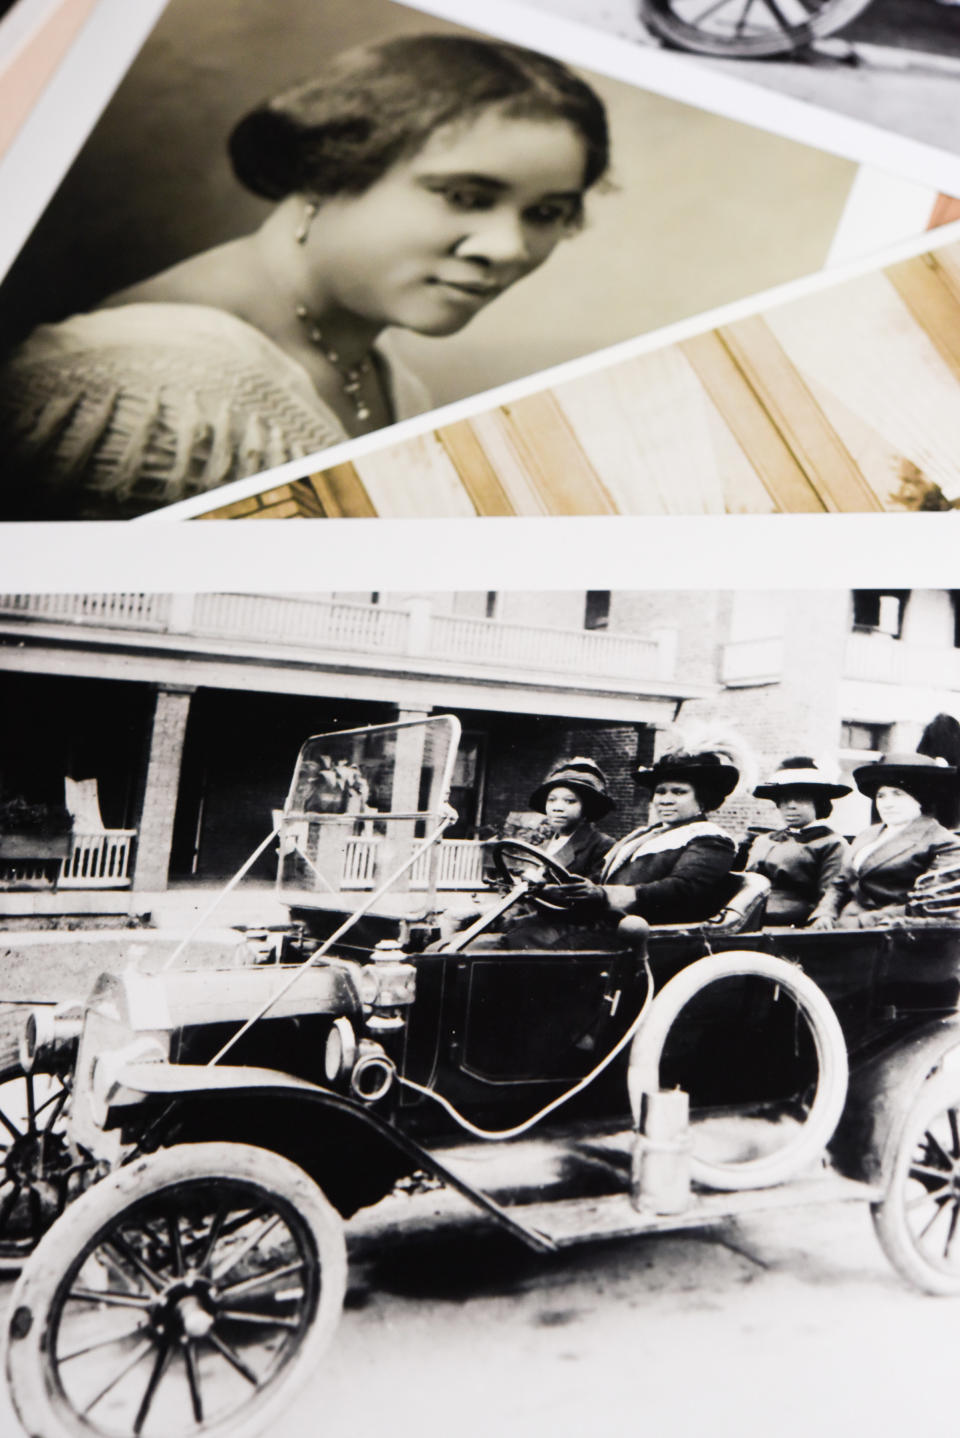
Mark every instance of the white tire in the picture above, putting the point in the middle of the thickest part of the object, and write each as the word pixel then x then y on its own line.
pixel 812 1136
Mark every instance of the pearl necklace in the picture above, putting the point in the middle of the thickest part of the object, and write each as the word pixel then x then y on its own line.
pixel 351 376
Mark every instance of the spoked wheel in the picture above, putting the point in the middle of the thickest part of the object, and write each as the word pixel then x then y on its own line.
pixel 918 1219
pixel 189 1293
pixel 748 29
pixel 39 1171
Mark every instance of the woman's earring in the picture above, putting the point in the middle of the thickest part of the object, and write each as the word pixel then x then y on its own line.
pixel 303 229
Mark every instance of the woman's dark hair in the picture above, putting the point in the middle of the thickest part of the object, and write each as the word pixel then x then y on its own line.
pixel 926 794
pixel 339 132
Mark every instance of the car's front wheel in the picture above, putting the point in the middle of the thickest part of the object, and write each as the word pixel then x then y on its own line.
pixel 189 1293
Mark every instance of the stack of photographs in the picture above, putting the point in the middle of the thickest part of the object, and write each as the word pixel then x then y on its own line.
pixel 480 962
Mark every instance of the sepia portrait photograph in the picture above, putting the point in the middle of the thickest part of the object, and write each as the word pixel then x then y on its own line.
pixel 403 987
pixel 296 224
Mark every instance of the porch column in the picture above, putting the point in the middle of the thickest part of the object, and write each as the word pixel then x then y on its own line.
pixel 155 834
pixel 409 760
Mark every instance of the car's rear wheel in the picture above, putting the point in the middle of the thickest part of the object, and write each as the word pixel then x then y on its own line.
pixel 918 1219
pixel 189 1293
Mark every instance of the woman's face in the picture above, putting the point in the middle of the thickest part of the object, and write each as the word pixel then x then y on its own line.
pixel 674 800
pixel 563 808
pixel 797 809
pixel 448 229
pixel 896 806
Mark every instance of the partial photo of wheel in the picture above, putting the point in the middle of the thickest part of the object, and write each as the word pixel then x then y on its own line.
pixel 746 29
pixel 190 1293
pixel 39 1171
pixel 918 1219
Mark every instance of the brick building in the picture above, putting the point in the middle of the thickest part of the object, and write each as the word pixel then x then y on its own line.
pixel 188 711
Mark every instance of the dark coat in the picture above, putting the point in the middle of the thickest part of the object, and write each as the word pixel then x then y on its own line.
pixel 585 850
pixel 670 873
pixel 878 889
pixel 801 864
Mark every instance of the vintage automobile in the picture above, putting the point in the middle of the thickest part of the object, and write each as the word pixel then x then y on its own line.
pixel 206 1131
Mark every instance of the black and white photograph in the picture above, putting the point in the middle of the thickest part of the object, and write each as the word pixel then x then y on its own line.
pixel 411 987
pixel 295 224
pixel 893 64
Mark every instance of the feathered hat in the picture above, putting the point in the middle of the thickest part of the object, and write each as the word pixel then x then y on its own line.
pixel 712 762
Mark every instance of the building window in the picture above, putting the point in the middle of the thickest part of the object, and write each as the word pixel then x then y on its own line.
pixel 491 605
pixel 854 734
pixel 880 611
pixel 596 614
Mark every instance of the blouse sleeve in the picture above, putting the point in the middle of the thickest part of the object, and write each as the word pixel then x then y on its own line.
pixel 111 429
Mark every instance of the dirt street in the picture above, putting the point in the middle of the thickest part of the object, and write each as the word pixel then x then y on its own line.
pixel 792 1323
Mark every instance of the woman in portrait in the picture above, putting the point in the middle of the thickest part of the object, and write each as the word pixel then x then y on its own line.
pixel 804 855
pixel 414 182
pixel 887 860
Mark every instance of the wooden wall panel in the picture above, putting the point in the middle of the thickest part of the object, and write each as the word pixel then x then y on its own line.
pixel 548 449
pixel 931 296
pixel 644 427
pixel 414 480
pixel 751 425
pixel 478 474
pixel 861 342
pixel 817 448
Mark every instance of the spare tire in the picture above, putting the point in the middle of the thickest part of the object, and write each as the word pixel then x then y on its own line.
pixel 830 1093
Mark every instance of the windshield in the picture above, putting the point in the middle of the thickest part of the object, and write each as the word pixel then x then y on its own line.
pixel 362 802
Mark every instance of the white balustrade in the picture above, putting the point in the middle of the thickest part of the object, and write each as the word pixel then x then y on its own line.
pixel 133 611
pixel 99 860
pixel 460 865
pixel 360 863
pixel 314 623
pixel 543 648
pixel 413 631
pixel 880 658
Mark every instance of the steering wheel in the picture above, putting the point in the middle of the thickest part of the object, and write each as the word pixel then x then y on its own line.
pixel 524 857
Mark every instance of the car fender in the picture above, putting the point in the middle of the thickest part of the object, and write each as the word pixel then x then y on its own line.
pixel 400 1154
pixel 882 1093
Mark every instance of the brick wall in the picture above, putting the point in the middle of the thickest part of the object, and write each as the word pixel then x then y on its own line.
pixel 160 792
pixel 521 750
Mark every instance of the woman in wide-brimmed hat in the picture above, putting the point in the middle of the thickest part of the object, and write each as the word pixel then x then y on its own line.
pixel 887 859
pixel 803 857
pixel 675 869
pixel 573 796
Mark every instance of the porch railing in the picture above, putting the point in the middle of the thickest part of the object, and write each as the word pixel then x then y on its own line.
pixel 460 865
pixel 411 630
pixel 98 861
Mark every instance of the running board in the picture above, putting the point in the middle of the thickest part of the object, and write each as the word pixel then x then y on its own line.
pixel 565 1222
